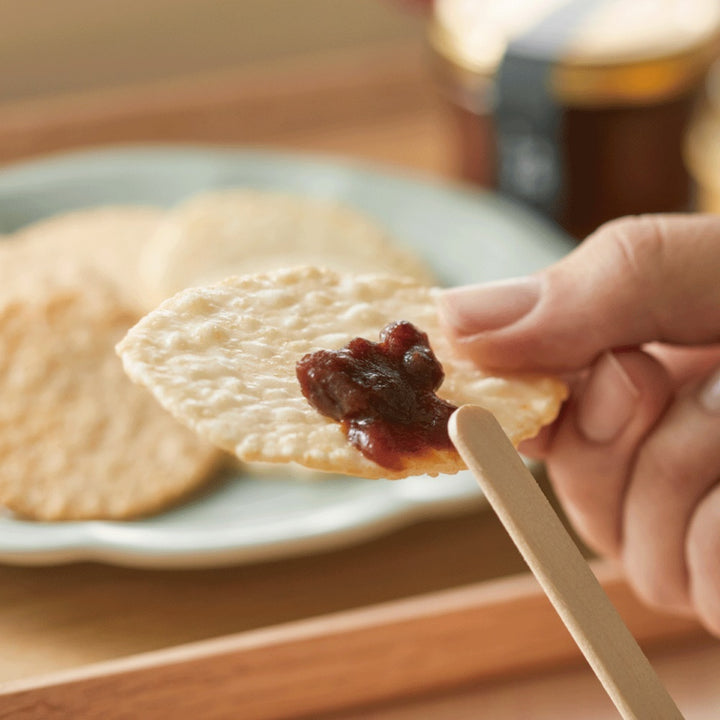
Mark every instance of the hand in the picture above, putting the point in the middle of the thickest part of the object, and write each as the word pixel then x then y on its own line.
pixel 632 318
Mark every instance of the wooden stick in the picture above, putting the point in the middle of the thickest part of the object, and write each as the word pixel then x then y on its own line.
pixel 561 570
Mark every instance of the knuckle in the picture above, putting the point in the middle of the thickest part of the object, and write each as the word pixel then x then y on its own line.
pixel 593 510
pixel 704 538
pixel 656 577
pixel 666 470
pixel 636 248
pixel 655 524
pixel 645 253
pixel 703 552
pixel 656 588
pixel 638 243
pixel 616 225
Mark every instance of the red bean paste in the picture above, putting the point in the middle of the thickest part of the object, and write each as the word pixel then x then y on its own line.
pixel 382 393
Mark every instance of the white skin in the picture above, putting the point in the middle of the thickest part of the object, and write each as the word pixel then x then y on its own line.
pixel 632 319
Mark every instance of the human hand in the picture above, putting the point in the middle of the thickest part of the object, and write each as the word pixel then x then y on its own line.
pixel 632 318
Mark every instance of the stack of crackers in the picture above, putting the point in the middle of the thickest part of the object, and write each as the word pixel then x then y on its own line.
pixel 233 288
pixel 78 439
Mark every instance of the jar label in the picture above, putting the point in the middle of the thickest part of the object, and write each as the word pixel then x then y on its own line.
pixel 528 117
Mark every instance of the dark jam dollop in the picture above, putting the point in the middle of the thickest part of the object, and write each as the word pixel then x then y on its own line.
pixel 382 393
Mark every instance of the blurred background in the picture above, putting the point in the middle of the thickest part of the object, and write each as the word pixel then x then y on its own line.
pixel 612 127
pixel 330 75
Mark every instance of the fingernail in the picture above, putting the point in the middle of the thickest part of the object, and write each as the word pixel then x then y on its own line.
pixel 476 308
pixel 608 401
pixel 710 393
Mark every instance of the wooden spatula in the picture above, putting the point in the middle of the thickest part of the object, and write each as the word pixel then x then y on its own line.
pixel 559 567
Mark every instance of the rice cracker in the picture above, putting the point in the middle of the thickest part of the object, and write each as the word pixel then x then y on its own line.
pixel 222 360
pixel 240 231
pixel 78 440
pixel 107 240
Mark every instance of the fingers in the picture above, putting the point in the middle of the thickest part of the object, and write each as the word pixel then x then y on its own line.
pixel 591 454
pixel 676 467
pixel 636 280
pixel 703 554
pixel 639 477
pixel 686 363
pixel 635 454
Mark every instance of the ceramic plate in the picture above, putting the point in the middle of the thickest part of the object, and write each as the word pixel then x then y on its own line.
pixel 467 236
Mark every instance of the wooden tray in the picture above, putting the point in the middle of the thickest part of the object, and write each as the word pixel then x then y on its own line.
pixel 390 652
pixel 491 649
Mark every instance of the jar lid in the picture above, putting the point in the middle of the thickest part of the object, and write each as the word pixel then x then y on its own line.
pixel 614 50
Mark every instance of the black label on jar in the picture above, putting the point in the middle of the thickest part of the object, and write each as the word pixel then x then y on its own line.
pixel 528 119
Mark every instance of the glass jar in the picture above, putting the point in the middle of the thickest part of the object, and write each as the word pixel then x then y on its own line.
pixel 578 108
pixel 702 148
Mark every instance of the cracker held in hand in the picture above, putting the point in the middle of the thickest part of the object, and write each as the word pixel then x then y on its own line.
pixel 223 360
pixel 78 440
pixel 240 231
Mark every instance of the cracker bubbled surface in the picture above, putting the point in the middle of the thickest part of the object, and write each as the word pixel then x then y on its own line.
pixel 222 359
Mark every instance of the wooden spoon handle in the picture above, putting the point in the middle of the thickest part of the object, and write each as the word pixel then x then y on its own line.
pixel 559 567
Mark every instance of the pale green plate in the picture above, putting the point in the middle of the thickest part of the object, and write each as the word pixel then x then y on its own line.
pixel 467 236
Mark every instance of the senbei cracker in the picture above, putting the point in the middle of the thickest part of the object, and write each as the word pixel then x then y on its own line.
pixel 105 240
pixel 223 360
pixel 242 231
pixel 78 440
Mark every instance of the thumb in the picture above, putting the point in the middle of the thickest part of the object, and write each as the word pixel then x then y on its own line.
pixel 638 279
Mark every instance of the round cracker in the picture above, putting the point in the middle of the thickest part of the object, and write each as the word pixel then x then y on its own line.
pixel 107 240
pixel 222 360
pixel 78 440
pixel 241 231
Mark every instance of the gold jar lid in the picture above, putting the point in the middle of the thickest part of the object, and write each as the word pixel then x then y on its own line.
pixel 620 51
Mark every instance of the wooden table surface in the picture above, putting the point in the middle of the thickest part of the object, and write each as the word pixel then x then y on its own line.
pixel 61 617
pixel 380 107
pixel 690 674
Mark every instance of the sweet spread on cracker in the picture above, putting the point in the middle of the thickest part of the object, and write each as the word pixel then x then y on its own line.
pixel 383 394
pixel 222 359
